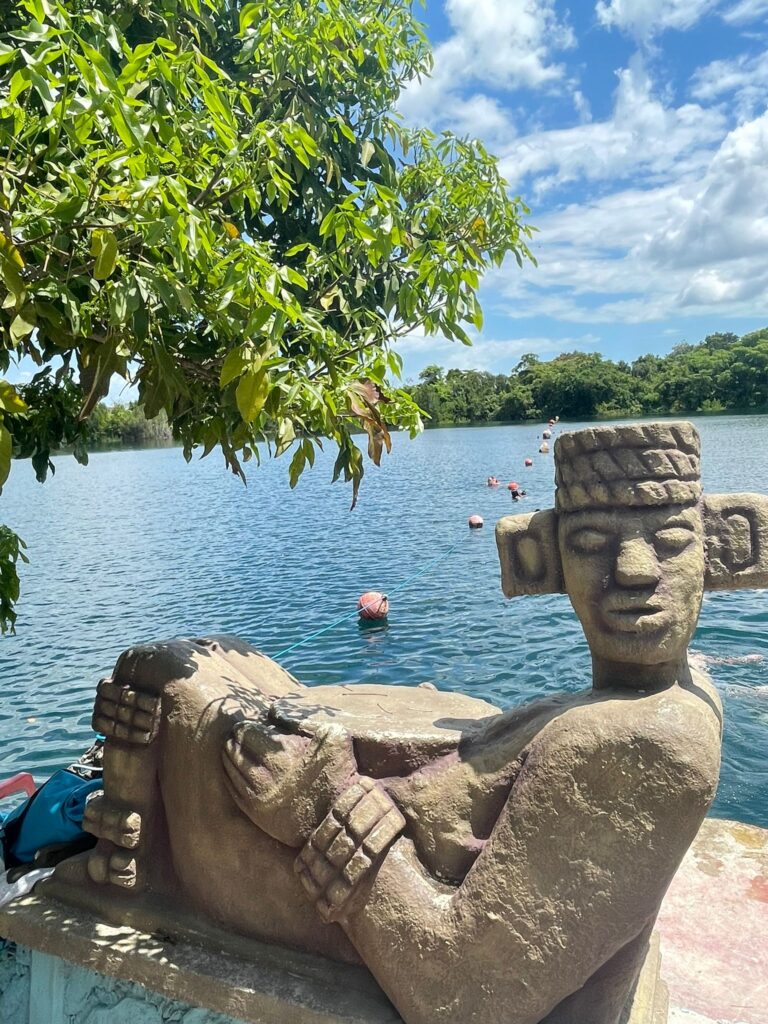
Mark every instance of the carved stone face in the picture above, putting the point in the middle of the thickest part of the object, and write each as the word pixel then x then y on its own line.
pixel 635 578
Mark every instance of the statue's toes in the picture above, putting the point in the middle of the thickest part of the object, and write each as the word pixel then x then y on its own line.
pixel 247 778
pixel 264 744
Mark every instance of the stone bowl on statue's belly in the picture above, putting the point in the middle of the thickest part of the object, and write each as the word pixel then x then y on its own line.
pixel 396 729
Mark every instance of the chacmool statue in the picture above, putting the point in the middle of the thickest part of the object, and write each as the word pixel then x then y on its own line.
pixel 503 868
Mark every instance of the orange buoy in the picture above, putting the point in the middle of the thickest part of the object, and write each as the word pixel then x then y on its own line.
pixel 528 462
pixel 373 605
pixel 513 485
pixel 475 522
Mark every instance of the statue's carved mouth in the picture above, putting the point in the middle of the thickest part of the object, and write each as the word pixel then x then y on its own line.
pixel 635 616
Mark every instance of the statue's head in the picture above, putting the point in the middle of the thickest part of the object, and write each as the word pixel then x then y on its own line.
pixel 632 540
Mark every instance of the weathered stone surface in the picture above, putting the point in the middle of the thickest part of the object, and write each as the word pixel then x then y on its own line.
pixel 487 867
pixel 396 728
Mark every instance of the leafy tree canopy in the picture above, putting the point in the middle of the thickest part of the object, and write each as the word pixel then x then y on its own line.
pixel 213 200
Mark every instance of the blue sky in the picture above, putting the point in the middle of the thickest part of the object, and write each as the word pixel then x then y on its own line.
pixel 637 132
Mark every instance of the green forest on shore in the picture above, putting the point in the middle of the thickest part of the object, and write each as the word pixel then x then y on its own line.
pixel 723 373
pixel 126 426
pixel 720 374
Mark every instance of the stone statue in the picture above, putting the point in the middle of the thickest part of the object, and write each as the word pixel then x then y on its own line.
pixel 488 867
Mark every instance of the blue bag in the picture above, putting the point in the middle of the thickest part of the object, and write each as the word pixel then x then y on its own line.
pixel 51 816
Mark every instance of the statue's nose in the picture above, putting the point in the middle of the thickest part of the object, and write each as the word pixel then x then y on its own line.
pixel 637 564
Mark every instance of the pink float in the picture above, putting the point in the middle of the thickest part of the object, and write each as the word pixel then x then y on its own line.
pixel 475 522
pixel 373 605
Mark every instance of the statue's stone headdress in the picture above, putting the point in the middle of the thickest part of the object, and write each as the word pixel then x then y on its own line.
pixel 619 467
pixel 631 466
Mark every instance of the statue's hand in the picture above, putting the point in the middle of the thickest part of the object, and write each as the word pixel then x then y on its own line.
pixel 284 782
pixel 347 847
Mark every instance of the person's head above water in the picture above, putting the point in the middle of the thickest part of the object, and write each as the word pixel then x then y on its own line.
pixel 634 544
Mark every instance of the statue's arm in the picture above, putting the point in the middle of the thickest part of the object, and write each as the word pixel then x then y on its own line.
pixel 576 866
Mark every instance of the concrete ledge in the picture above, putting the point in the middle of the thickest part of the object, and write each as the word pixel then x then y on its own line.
pixel 280 986
pixel 650 1002
pixel 714 928
pixel 714 943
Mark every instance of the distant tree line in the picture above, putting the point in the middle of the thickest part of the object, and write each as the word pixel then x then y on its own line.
pixel 722 373
pixel 126 426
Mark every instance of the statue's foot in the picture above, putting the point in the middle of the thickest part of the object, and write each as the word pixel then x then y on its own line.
pixel 109 864
pixel 115 859
pixel 108 820
pixel 285 782
pixel 126 714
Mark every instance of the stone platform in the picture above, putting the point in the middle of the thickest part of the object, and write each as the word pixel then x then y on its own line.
pixel 714 928
pixel 69 968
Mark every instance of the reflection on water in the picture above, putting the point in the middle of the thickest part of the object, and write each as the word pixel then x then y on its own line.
pixel 140 546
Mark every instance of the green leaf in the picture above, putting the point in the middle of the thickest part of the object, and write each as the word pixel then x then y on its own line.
pixel 249 14
pixel 10 400
pixel 286 435
pixel 23 324
pixel 251 394
pixel 104 248
pixel 234 364
pixel 296 467
pixel 11 266
pixel 96 375
pixel 6 453
pixel 367 150
pixel 20 81
pixel 7 53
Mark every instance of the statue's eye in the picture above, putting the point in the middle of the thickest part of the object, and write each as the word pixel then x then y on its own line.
pixel 589 541
pixel 674 538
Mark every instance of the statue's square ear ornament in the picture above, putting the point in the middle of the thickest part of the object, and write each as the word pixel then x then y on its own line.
pixel 634 466
pixel 736 530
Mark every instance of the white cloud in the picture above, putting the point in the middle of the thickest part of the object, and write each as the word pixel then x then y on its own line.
pixel 746 11
pixel 481 117
pixel 642 135
pixel 493 355
pixel 727 218
pixel 501 44
pixel 646 18
pixel 714 287
pixel 505 43
pixel 744 77
pixel 694 244
pixel 671 218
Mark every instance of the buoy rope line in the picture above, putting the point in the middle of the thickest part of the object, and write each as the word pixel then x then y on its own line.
pixel 354 614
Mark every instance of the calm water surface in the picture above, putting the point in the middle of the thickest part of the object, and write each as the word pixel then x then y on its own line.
pixel 141 546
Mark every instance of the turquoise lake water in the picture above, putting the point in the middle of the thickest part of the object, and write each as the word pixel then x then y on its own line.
pixel 139 545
